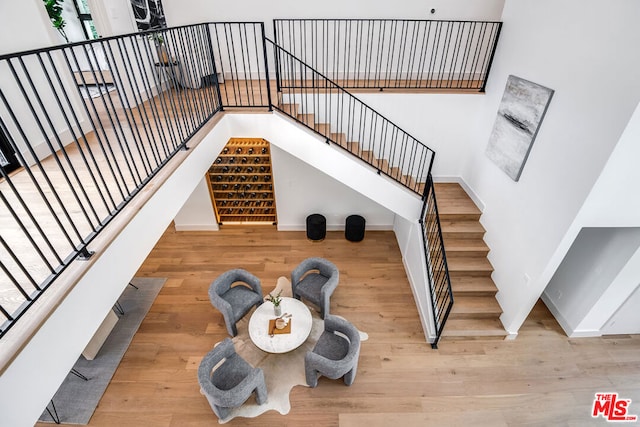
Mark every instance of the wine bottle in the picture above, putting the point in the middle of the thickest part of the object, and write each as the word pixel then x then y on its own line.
pixel 243 178
pixel 225 150
pixel 250 150
pixel 244 160
pixel 238 150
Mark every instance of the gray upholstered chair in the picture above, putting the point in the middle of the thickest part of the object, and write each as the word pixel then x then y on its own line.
pixel 315 279
pixel 231 383
pixel 235 301
pixel 336 353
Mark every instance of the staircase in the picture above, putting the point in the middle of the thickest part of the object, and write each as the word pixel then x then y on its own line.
pixel 354 147
pixel 476 312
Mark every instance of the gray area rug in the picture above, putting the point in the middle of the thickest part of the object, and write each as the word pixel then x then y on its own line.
pixel 76 399
pixel 283 371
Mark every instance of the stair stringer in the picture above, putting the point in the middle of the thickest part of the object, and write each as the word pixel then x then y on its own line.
pixel 332 160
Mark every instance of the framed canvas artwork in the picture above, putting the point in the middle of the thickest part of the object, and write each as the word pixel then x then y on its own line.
pixel 520 114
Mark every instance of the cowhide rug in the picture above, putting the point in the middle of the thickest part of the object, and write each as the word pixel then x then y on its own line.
pixel 282 372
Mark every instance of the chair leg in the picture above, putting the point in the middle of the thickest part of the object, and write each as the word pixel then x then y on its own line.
pixel 54 415
pixel 261 391
pixel 349 377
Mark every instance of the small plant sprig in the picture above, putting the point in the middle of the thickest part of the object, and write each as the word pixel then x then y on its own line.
pixel 275 300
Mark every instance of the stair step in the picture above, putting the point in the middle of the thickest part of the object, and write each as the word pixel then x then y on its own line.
pixel 307 119
pixel 368 156
pixel 454 203
pixel 339 138
pixel 473 329
pixel 472 247
pixel 465 285
pixel 464 263
pixel 291 109
pixel 465 229
pixel 475 307
pixel 323 128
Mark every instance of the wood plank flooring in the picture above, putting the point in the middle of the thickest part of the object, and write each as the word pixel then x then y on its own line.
pixel 542 378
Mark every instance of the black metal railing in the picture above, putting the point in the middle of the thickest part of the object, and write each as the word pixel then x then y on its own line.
pixel 91 123
pixel 320 104
pixel 436 261
pixel 393 53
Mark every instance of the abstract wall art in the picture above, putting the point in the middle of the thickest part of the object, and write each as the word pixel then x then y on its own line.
pixel 149 14
pixel 520 114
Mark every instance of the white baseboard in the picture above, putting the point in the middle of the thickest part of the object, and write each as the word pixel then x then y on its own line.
pixel 564 324
pixel 197 227
pixel 335 227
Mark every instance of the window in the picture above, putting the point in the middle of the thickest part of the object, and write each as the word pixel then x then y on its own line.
pixel 8 160
pixel 84 15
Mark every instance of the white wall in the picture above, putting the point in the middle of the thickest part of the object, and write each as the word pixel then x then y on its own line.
pixel 594 260
pixel 182 12
pixel 626 319
pixel 412 249
pixel 24 389
pixel 197 212
pixel 302 190
pixel 446 123
pixel 329 159
pixel 612 203
pixel 25 25
pixel 553 44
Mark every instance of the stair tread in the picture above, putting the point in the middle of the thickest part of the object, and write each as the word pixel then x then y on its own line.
pixel 452 244
pixel 453 200
pixel 476 304
pixel 474 327
pixel 461 226
pixel 457 262
pixel 472 285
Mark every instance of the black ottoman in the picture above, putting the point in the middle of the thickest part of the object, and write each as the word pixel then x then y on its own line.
pixel 354 228
pixel 316 227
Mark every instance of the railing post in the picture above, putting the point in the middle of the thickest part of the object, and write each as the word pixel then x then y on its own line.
pixel 266 66
pixel 493 52
pixel 213 66
pixel 276 56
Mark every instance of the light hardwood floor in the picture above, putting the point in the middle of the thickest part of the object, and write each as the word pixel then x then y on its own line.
pixel 541 378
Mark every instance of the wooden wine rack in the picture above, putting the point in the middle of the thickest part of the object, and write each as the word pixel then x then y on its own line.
pixel 241 183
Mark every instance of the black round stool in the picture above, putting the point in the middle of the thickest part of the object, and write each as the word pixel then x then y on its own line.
pixel 354 228
pixel 316 227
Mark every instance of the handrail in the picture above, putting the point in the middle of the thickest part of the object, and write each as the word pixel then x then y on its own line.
pixel 436 260
pixel 325 107
pixel 394 53
pixel 91 123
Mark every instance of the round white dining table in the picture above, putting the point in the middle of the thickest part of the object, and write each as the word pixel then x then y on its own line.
pixel 300 319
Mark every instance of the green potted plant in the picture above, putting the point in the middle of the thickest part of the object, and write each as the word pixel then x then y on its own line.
pixel 54 9
pixel 276 300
